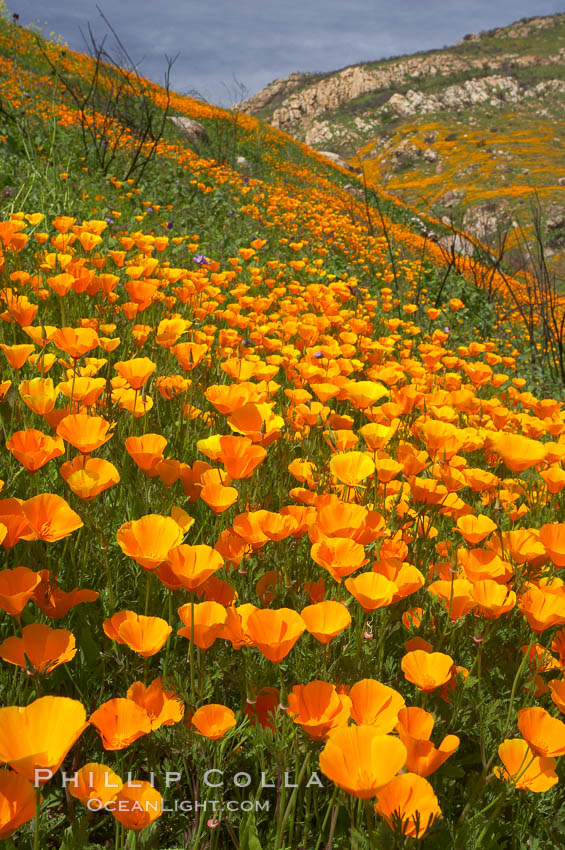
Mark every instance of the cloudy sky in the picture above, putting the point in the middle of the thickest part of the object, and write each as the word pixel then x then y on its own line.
pixel 255 42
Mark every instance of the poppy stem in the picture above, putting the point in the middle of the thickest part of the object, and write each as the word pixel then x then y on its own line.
pixel 147 591
pixel 191 653
pixel 36 824
pixel 499 804
pixel 517 678
pixel 168 650
pixel 292 801
pixel 284 695
pixel 360 641
pixel 370 823
pixel 329 810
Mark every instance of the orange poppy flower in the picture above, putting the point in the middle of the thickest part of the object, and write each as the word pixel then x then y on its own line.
pixel 50 517
pixel 236 624
pixel 39 394
pixel 340 556
pixel 374 704
pixel 412 460
pixel 86 433
pixel 138 804
pixel 164 708
pixel 82 390
pixel 543 607
pixel 456 595
pixel 210 446
pixel 17 802
pixel 258 422
pixel 526 771
pixel 149 540
pixel 16 355
pixel 364 394
pixel 40 334
pixel 262 707
pixel 35 739
pixel 231 547
pixel 387 469
pixel 545 734
pixel 215 589
pixel 33 448
pixel 213 721
pixel 351 467
pixel 427 670
pixel 274 631
pixel 407 578
pixel 326 619
pixel 474 529
pixel 341 440
pixel 523 544
pixel 304 516
pixel 277 526
pixel 557 689
pixel 552 537
pixel 135 371
pixel 227 398
pixel 239 369
pixel 95 785
pixel 89 476
pixel 248 527
pixel 443 440
pixel 414 727
pixel 120 722
pixel 378 436
pixel 145 635
pixel 408 804
pixel 40 649
pixel 56 603
pixel 193 565
pixel 540 659
pixel 317 707
pixel 136 403
pixel 189 354
pixel 209 622
pixel 371 590
pixel 427 491
pixel 17 587
pixel 361 760
pixel 554 479
pixel 480 564
pixel 146 451
pixel 518 452
pixel 219 497
pixel 14 523
pixel 75 341
pixel 492 599
pixel 240 456
pixel 343 519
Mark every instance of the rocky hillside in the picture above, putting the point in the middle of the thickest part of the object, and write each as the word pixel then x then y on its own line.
pixel 473 133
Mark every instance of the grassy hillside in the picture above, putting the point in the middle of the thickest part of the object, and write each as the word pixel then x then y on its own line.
pixel 281 492
pixel 481 120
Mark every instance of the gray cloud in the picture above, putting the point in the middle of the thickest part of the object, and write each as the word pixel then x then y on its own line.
pixel 258 41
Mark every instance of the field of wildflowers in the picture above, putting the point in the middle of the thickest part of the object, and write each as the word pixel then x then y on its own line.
pixel 281 512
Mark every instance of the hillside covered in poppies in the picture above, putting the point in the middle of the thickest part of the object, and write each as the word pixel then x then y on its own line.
pixel 471 132
pixel 281 512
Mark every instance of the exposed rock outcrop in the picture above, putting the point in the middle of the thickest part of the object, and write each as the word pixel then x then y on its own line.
pixel 190 129
pixel 339 160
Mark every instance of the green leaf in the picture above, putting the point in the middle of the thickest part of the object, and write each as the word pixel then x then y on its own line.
pixel 249 837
